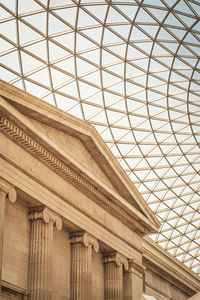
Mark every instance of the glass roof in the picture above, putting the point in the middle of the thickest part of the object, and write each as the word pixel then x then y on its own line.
pixel 132 70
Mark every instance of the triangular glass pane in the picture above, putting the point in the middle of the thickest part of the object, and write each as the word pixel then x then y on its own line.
pixel 85 19
pixel 11 60
pixel 36 90
pixel 64 102
pixel 67 65
pixel 118 69
pixel 56 52
pixel 86 90
pixel 137 35
pixel 59 78
pixel 41 76
pixel 5 46
pixel 114 16
pixel 67 40
pixel 70 89
pixel 94 78
pixel 93 56
pixel 8 76
pixel 83 67
pixel 144 17
pixel 38 21
pixel 56 26
pixel 10 4
pixel 83 43
pixel 26 34
pixel 27 6
pixel 39 50
pixel 128 10
pixel 8 29
pixel 123 30
pixel 158 13
pixel 109 37
pixel 94 34
pixel 98 11
pixel 29 63
pixel 67 14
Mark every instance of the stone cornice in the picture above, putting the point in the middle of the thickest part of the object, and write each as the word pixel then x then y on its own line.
pixel 165 265
pixel 116 258
pixel 47 215
pixel 9 190
pixel 128 215
pixel 86 239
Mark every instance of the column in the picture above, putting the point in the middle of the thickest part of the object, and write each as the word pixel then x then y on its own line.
pixel 41 252
pixel 82 244
pixel 6 191
pixel 133 281
pixel 114 264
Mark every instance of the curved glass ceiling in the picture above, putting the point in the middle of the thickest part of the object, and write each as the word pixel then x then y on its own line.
pixel 131 69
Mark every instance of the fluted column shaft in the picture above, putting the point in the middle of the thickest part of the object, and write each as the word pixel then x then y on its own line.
pixel 41 246
pixel 6 191
pixel 2 218
pixel 81 265
pixel 113 267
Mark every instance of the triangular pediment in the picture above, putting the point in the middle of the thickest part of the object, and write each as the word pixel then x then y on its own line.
pixel 77 144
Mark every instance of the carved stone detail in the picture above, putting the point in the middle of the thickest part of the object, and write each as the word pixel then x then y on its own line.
pixel 9 190
pixel 114 264
pixel 47 215
pixel 86 239
pixel 116 258
pixel 74 178
pixel 41 247
pixel 82 244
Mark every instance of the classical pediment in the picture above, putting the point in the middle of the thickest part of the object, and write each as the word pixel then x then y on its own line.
pixel 74 150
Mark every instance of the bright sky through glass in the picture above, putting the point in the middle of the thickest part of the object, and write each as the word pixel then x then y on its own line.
pixel 132 70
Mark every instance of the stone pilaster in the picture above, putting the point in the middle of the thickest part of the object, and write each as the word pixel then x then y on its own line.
pixel 133 281
pixel 82 244
pixel 114 264
pixel 6 191
pixel 41 247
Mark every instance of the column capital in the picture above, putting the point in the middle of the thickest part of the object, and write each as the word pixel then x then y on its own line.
pixel 135 265
pixel 47 215
pixel 86 239
pixel 9 190
pixel 116 258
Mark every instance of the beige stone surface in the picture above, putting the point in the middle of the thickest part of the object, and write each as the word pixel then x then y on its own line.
pixel 75 148
pixel 97 276
pixel 61 266
pixel 16 245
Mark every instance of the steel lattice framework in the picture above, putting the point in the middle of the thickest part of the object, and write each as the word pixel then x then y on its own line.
pixel 132 70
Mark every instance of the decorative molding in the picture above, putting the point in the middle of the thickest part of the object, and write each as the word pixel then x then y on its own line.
pixel 9 190
pixel 116 258
pixel 47 215
pixel 70 175
pixel 86 239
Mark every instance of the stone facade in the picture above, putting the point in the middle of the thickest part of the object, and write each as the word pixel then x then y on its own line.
pixel 72 225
